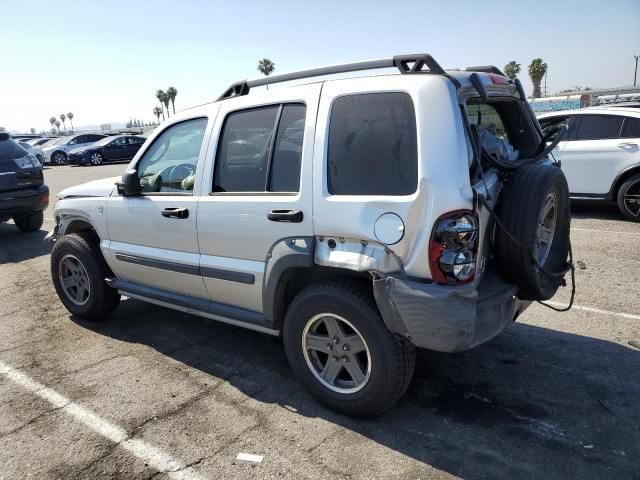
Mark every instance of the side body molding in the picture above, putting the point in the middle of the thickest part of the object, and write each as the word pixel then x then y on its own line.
pixel 285 254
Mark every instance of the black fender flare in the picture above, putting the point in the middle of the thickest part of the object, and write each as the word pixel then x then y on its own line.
pixel 284 255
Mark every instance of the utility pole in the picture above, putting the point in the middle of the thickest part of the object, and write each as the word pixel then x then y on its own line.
pixel 635 75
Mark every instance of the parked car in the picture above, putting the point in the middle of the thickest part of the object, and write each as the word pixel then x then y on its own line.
pixel 36 150
pixel 56 153
pixel 600 154
pixel 354 217
pixel 120 147
pixel 23 194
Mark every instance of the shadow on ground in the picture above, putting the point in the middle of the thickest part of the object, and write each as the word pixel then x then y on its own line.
pixel 596 210
pixel 16 246
pixel 534 402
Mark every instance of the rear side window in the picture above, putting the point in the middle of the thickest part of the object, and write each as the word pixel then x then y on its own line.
pixel 631 128
pixel 372 145
pixel 599 127
pixel 251 159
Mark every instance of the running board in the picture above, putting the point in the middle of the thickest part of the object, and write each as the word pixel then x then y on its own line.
pixel 228 314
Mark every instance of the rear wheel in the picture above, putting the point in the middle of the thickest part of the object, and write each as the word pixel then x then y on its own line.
pixel 29 222
pixel 78 271
pixel 59 158
pixel 341 351
pixel 629 198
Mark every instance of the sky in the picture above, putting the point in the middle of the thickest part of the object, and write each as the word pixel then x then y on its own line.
pixel 104 60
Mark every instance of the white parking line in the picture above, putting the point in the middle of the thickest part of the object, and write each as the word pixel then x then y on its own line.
pixel 156 458
pixel 619 232
pixel 597 310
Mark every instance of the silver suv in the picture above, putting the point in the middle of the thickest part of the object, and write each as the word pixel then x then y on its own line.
pixel 357 218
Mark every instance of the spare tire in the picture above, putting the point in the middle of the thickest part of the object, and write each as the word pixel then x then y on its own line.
pixel 534 209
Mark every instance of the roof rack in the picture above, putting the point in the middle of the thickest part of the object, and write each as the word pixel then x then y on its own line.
pixel 407 64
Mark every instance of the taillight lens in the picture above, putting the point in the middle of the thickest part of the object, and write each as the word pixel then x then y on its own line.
pixel 453 249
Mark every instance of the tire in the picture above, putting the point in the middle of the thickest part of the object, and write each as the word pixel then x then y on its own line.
pixel 59 158
pixel 630 206
pixel 391 370
pixel 83 249
pixel 523 208
pixel 29 222
pixel 96 159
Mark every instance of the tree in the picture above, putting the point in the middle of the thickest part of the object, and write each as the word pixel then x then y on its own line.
pixel 63 117
pixel 160 95
pixel 512 69
pixel 70 117
pixel 157 111
pixel 172 93
pixel 52 121
pixel 266 67
pixel 537 71
pixel 57 124
pixel 32 130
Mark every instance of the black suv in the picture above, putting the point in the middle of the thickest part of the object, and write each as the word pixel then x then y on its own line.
pixel 23 194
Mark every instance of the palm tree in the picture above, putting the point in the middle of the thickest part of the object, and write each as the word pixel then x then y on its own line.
pixel 52 121
pixel 63 117
pixel 57 124
pixel 157 111
pixel 537 71
pixel 160 96
pixel 512 69
pixel 165 102
pixel 70 117
pixel 172 93
pixel 32 130
pixel 266 67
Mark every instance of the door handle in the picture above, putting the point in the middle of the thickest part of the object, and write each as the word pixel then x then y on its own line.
pixel 175 212
pixel 627 145
pixel 290 216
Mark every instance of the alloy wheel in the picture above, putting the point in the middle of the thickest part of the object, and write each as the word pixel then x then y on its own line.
pixel 631 199
pixel 74 280
pixel 546 228
pixel 96 159
pixel 336 353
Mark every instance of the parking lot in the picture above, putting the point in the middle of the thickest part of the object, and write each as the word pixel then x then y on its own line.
pixel 154 393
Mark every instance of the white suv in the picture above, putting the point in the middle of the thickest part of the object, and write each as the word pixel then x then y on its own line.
pixel 354 217
pixel 600 154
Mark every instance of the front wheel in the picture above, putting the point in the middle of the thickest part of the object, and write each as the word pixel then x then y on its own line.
pixel 96 159
pixel 340 349
pixel 59 158
pixel 629 198
pixel 78 272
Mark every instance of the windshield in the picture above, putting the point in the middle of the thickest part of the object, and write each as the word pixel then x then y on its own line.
pixel 104 141
pixel 56 141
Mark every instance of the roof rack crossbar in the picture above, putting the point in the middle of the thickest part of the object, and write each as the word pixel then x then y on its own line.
pixel 404 63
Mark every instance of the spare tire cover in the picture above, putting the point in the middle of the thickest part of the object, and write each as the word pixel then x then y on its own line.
pixel 534 207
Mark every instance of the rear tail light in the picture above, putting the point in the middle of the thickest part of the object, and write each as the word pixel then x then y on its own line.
pixel 45 198
pixel 453 248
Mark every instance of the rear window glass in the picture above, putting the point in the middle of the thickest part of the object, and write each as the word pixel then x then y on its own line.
pixel 599 127
pixel 631 128
pixel 372 145
pixel 483 115
pixel 11 150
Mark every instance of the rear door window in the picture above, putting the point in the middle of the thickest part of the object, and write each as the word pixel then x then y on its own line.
pixel 372 145
pixel 599 127
pixel 250 159
pixel 631 128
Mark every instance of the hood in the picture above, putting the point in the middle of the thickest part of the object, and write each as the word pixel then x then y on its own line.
pixel 97 188
pixel 79 150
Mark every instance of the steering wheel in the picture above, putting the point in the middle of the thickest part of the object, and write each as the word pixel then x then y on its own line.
pixel 177 173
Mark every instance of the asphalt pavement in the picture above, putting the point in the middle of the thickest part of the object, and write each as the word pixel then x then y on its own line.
pixel 153 393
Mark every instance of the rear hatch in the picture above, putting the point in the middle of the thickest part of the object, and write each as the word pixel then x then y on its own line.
pixel 19 169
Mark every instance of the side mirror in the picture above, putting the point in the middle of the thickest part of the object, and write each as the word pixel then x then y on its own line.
pixel 130 184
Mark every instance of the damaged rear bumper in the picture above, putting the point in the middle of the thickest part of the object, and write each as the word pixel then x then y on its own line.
pixel 447 318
